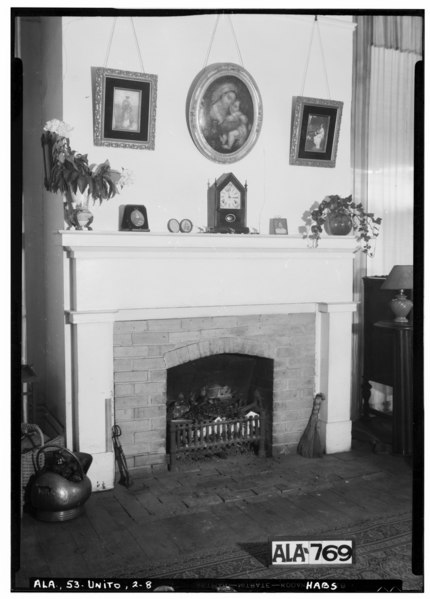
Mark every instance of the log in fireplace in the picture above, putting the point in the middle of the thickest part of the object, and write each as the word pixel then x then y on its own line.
pixel 217 403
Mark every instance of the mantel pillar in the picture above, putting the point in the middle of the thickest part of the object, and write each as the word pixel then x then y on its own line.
pixel 335 362
pixel 92 392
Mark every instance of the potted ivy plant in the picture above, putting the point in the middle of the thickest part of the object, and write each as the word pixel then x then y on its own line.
pixel 70 173
pixel 340 216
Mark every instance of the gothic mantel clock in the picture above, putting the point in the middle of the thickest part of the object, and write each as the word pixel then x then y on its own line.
pixel 227 205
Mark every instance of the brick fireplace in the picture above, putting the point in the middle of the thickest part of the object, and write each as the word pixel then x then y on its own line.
pixel 145 350
pixel 138 305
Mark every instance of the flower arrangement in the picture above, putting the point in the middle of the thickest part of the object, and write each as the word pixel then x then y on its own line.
pixel 66 170
pixel 364 224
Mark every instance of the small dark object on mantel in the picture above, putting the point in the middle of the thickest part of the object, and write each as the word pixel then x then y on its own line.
pixel 229 230
pixel 310 443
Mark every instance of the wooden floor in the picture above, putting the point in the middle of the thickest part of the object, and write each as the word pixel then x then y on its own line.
pixel 214 503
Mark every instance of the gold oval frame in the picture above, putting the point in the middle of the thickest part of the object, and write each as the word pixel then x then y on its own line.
pixel 212 136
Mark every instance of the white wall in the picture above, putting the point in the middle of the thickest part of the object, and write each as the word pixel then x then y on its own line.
pixel 172 180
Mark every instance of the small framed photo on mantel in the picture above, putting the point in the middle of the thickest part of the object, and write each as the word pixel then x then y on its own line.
pixel 278 226
pixel 315 131
pixel 124 108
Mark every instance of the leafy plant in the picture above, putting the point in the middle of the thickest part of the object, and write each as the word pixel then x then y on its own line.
pixel 71 171
pixel 365 225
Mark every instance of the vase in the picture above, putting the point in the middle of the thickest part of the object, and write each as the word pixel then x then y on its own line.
pixel 76 212
pixel 338 224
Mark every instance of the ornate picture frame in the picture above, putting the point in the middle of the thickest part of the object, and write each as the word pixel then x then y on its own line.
pixel 224 112
pixel 124 108
pixel 315 131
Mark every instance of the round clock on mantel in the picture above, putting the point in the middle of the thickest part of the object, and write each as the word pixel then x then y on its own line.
pixel 173 225
pixel 185 226
pixel 227 205
pixel 134 218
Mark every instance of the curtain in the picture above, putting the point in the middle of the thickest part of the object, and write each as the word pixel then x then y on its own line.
pixel 391 156
pixel 401 32
pixel 386 48
pixel 359 156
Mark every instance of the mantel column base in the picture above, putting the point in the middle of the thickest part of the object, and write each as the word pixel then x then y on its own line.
pixel 337 436
pixel 102 471
pixel 335 363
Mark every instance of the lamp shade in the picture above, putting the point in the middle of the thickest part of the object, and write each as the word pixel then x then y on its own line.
pixel 400 277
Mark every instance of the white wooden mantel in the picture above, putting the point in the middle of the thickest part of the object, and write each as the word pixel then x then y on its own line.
pixel 111 276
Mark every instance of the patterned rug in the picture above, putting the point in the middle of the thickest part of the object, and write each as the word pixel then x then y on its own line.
pixel 382 552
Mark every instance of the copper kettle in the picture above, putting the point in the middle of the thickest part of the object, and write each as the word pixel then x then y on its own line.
pixel 60 487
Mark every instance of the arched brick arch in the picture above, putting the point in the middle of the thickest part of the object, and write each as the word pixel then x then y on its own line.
pixel 228 345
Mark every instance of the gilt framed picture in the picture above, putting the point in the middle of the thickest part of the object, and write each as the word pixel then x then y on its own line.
pixel 315 131
pixel 224 112
pixel 124 108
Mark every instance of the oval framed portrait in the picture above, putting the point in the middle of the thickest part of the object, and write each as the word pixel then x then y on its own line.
pixel 224 112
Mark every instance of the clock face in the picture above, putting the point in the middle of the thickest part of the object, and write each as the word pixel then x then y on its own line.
pixel 133 218
pixel 173 225
pixel 137 218
pixel 186 225
pixel 229 197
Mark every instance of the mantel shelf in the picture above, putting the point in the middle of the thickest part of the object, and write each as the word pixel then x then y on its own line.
pixel 117 240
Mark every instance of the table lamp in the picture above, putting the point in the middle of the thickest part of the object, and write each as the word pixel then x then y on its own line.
pixel 401 278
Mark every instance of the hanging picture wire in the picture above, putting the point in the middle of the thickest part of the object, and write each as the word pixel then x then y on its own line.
pixel 211 41
pixel 135 39
pixel 315 26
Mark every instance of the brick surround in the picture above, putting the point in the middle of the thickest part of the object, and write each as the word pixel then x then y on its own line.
pixel 145 349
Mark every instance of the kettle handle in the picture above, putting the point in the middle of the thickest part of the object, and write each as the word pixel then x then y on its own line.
pixel 38 467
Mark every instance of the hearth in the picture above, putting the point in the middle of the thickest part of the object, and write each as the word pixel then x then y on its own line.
pixel 140 305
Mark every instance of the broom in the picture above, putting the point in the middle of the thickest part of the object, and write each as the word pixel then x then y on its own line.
pixel 310 443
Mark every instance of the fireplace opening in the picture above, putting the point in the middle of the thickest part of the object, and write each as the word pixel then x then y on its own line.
pixel 218 406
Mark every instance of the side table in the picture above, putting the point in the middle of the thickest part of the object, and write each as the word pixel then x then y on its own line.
pixel 400 337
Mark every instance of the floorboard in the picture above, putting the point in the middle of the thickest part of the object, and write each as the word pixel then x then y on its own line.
pixel 168 516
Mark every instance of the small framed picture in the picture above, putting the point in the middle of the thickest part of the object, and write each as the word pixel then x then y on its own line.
pixel 278 226
pixel 124 108
pixel 315 131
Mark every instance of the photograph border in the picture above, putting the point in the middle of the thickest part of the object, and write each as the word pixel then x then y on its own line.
pixel 103 106
pixel 301 107
pixel 199 87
